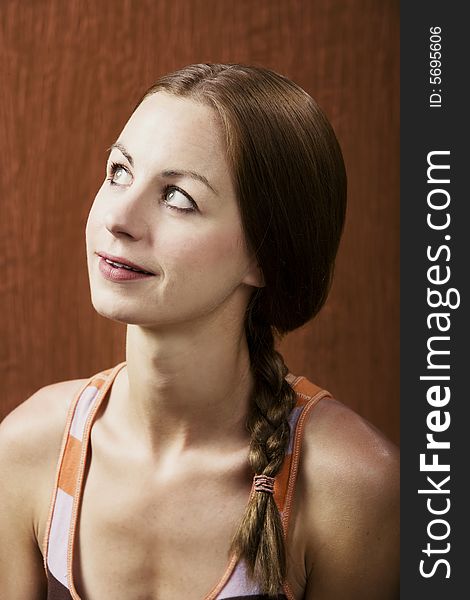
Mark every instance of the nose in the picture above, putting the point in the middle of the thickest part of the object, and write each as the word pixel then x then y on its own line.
pixel 125 217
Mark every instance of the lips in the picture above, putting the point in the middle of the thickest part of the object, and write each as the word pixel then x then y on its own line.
pixel 120 262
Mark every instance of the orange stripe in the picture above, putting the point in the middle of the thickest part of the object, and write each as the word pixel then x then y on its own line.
pixel 97 382
pixel 304 389
pixel 304 386
pixel 69 470
pixel 80 468
pixel 280 484
pixel 45 543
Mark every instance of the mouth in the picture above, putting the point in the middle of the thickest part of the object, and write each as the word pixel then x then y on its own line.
pixel 121 263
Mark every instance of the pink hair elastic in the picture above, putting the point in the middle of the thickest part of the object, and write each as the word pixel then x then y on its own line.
pixel 263 483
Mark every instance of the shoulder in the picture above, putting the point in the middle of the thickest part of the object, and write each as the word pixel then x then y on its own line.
pixel 30 441
pixel 30 438
pixel 349 478
pixel 337 441
pixel 40 418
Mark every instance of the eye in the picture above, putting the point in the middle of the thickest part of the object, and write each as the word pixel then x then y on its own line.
pixel 117 174
pixel 173 196
pixel 177 199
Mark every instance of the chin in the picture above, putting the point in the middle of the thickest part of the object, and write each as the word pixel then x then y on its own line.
pixel 115 310
pixel 113 315
pixel 119 312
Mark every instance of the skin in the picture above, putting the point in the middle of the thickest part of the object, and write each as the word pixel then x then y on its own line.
pixel 168 480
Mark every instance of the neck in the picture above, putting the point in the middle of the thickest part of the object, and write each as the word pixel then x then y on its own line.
pixel 185 387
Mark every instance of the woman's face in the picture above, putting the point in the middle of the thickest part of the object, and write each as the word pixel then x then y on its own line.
pixel 168 206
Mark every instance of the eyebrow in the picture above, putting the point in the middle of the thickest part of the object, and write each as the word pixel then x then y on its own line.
pixel 167 173
pixel 121 147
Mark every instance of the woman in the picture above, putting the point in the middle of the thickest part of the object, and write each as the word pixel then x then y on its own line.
pixel 200 467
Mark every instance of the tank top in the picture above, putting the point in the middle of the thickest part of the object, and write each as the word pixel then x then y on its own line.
pixel 58 543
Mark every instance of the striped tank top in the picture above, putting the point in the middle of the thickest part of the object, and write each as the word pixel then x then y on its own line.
pixel 58 543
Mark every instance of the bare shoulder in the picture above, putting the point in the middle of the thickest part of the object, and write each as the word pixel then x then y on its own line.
pixel 30 439
pixel 349 480
pixel 36 425
pixel 340 442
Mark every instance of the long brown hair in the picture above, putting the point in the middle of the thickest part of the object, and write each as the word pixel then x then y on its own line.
pixel 290 181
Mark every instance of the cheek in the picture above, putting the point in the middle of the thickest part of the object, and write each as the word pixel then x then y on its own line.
pixel 218 250
pixel 91 220
pixel 89 231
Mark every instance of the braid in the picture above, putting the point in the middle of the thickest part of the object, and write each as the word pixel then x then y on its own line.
pixel 260 537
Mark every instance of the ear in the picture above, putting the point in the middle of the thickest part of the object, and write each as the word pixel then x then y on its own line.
pixel 254 276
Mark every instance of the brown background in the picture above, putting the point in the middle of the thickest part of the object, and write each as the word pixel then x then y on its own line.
pixel 69 76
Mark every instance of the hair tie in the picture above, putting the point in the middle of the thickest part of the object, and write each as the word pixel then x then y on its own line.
pixel 263 483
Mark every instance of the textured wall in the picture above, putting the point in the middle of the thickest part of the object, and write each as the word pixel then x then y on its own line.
pixel 69 76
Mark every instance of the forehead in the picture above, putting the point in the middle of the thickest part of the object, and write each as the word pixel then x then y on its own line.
pixel 170 131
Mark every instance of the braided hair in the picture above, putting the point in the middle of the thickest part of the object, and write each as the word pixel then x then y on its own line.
pixel 290 182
